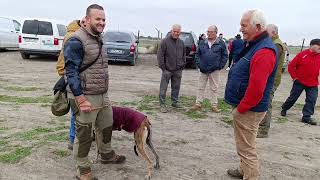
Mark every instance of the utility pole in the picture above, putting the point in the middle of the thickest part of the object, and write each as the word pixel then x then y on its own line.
pixel 158 31
pixel 302 44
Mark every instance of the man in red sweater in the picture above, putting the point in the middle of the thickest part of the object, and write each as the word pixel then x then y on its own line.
pixel 304 71
pixel 250 81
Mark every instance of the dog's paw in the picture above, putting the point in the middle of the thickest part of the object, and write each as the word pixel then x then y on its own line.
pixel 147 177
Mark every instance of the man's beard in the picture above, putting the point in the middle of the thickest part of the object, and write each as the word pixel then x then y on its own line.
pixel 94 30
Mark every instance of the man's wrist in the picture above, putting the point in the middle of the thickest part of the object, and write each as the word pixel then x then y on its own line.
pixel 80 99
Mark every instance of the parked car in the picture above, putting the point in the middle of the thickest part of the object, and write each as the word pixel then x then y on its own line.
pixel 41 37
pixel 9 33
pixel 190 42
pixel 121 46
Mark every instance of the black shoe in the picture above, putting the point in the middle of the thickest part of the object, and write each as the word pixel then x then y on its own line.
pixel 235 173
pixel 309 121
pixel 262 135
pixel 175 105
pixel 283 113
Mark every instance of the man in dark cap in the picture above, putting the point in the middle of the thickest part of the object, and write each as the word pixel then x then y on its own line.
pixel 304 71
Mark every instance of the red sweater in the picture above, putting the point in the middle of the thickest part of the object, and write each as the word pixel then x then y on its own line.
pixel 126 118
pixel 305 68
pixel 261 67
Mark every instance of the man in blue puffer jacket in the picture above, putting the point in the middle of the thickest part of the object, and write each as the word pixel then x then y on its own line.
pixel 211 57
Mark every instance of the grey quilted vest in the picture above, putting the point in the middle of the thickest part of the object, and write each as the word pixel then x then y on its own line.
pixel 95 79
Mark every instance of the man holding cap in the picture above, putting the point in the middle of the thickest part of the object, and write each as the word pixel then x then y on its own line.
pixel 304 71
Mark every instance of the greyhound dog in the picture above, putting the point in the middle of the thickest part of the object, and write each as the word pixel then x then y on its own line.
pixel 135 122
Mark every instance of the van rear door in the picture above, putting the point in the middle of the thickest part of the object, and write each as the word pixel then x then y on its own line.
pixel 29 35
pixel 45 35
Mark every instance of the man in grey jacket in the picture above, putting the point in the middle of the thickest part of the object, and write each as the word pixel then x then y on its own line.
pixel 171 58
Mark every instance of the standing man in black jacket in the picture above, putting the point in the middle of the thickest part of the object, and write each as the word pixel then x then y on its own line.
pixel 171 58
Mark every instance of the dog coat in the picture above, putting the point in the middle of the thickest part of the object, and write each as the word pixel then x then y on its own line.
pixel 126 119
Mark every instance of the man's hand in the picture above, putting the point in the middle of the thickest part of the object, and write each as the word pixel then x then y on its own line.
pixel 84 104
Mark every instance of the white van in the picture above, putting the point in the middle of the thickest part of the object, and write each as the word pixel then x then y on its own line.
pixel 9 32
pixel 41 37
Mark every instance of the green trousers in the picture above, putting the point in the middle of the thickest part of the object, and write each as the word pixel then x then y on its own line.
pixel 101 119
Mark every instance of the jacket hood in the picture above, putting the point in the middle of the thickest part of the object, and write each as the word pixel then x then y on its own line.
pixel 73 26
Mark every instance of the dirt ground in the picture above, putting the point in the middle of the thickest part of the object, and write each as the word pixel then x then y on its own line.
pixel 188 149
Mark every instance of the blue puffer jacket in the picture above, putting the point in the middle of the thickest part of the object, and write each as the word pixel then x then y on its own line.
pixel 237 46
pixel 211 59
pixel 239 75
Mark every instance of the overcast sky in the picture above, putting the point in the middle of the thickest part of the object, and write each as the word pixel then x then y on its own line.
pixel 296 19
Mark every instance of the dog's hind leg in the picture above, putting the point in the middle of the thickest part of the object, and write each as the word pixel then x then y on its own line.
pixel 139 139
pixel 150 145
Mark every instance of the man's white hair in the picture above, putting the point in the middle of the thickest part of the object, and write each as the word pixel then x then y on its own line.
pixel 257 17
pixel 273 28
pixel 214 27
pixel 176 26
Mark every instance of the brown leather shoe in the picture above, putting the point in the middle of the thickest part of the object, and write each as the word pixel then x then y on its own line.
pixel 215 109
pixel 112 158
pixel 87 176
pixel 235 173
pixel 196 107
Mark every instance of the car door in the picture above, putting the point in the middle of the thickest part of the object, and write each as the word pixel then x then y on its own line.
pixel 45 35
pixel 29 35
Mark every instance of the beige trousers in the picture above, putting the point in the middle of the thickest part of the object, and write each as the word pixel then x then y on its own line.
pixel 245 131
pixel 213 79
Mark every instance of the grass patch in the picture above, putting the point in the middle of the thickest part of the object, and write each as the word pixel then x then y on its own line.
pixel 32 134
pixel 2 129
pixel 45 105
pixel 25 100
pixel 281 120
pixel 196 114
pixel 59 137
pixel 61 153
pixel 223 106
pixel 132 103
pixel 20 88
pixel 61 128
pixel 227 120
pixel 16 156
pixel 148 103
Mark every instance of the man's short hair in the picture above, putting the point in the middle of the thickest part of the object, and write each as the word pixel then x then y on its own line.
pixel 273 27
pixel 257 17
pixel 315 42
pixel 176 26
pixel 93 6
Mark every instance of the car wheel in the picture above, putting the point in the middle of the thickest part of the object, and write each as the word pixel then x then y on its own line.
pixel 133 62
pixel 25 56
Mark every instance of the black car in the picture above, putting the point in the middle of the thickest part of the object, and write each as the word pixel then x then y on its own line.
pixel 190 43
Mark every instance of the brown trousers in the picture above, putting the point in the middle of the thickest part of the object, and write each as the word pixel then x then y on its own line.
pixel 245 131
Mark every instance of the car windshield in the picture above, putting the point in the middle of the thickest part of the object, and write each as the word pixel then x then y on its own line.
pixel 37 27
pixel 119 37
pixel 185 37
